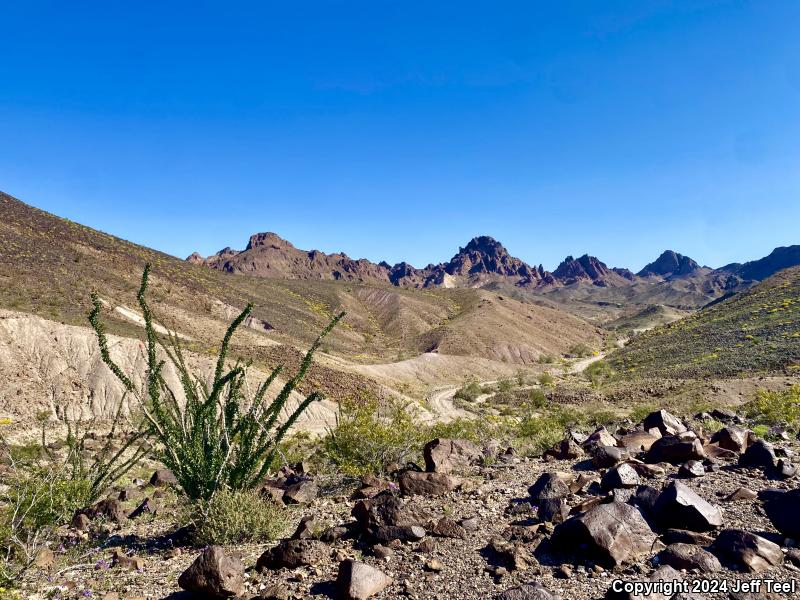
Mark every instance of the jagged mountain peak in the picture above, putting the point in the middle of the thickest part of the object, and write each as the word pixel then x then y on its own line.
pixel 670 264
pixel 270 239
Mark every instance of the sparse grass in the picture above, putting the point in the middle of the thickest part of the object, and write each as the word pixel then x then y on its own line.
pixel 238 516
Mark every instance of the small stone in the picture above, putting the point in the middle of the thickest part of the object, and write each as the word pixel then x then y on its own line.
pixel 214 574
pixel 381 551
pixel 45 559
pixel 162 477
pixel 302 492
pixel 434 565
pixel 741 493
pixel 692 469
pixel 359 581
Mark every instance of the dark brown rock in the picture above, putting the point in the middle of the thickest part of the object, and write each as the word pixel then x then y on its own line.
pixel 783 510
pixel 748 551
pixel 303 492
pixel 162 477
pixel 759 455
pixel 692 469
pixel 446 456
pixel 689 557
pixel 604 457
pixel 447 527
pixel 413 483
pixel 666 423
pixel 290 554
pixel 613 533
pixel 548 486
pixel 673 449
pixel 731 438
pixel 741 493
pixel 681 508
pixel 214 574
pixel 621 476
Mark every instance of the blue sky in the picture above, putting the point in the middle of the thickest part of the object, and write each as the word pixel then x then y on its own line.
pixel 399 130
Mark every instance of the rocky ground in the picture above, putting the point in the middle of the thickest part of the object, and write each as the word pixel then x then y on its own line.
pixel 659 500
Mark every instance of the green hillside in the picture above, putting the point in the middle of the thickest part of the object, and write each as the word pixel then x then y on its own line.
pixel 751 332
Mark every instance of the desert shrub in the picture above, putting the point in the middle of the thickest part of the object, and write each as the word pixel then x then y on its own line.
pixel 469 392
pixel 35 502
pixel 599 372
pixel 521 378
pixel 546 378
pixel 475 430
pixel 213 434
pixel 779 408
pixel 370 435
pixel 581 350
pixel 537 398
pixel 505 385
pixel 546 359
pixel 238 516
pixel 540 432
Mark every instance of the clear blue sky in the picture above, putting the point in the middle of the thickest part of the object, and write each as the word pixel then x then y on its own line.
pixel 399 130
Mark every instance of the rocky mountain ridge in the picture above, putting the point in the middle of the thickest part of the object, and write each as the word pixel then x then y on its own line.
pixel 484 261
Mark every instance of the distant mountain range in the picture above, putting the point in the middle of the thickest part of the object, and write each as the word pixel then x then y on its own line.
pixel 485 262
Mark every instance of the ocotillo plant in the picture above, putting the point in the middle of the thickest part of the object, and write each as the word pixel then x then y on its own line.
pixel 214 435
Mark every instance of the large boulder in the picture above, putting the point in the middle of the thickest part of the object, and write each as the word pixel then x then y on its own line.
pixel 675 450
pixel 731 438
pixel 666 423
pixel 759 455
pixel 748 551
pixel 783 509
pixel 679 507
pixel 549 486
pixel 359 581
pixel 214 574
pixel 689 557
pixel 445 455
pixel 413 483
pixel 613 534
